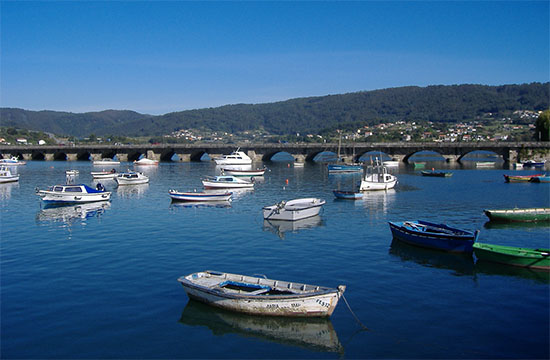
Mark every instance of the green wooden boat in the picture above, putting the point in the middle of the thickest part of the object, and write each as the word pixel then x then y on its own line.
pixel 515 256
pixel 521 215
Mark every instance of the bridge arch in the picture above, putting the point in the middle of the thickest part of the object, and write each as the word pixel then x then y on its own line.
pixel 60 156
pixel 426 153
pixel 197 155
pixel 38 155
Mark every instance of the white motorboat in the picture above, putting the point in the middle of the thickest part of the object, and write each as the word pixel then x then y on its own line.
pixel 104 174
pixel 73 194
pixel 199 196
pixel 235 158
pixel 6 175
pixel 72 172
pixel 244 173
pixel 377 178
pixel 106 161
pixel 225 181
pixel 131 178
pixel 13 161
pixel 294 209
pixel 145 161
pixel 261 296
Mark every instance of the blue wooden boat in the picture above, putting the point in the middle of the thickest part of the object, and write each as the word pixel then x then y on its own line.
pixel 348 195
pixel 434 236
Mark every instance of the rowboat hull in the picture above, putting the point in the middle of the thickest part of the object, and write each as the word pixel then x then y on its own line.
pixel 8 178
pixel 514 256
pixel 519 215
pixel 442 237
pixel 293 210
pixel 436 173
pixel 225 185
pixel 520 178
pixel 261 296
pixel 194 196
pixel 244 173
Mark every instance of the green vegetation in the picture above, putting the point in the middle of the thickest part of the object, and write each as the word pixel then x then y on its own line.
pixel 10 135
pixel 427 112
pixel 543 127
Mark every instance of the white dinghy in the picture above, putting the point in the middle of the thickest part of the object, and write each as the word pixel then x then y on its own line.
pixel 294 209
pixel 261 296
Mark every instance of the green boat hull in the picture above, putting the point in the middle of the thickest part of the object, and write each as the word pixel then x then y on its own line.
pixel 519 215
pixel 514 256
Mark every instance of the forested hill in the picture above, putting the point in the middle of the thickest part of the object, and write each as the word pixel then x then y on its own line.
pixel 304 115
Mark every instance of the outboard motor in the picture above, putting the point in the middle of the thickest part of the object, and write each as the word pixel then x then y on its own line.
pixel 100 187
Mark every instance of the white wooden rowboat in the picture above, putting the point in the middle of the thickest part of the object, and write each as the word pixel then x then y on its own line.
pixel 294 209
pixel 261 296
pixel 199 196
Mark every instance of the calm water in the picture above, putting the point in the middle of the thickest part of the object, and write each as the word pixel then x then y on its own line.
pixel 100 281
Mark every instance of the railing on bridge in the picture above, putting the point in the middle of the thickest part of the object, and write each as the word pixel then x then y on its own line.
pixel 510 151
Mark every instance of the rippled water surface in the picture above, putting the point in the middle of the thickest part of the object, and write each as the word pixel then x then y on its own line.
pixel 100 280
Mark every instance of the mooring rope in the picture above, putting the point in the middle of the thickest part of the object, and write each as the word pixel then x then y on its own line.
pixel 352 313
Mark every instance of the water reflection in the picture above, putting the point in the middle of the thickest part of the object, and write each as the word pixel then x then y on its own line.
pixel 280 227
pixel 72 213
pixel 132 191
pixel 6 188
pixel 489 268
pixel 199 204
pixel 461 264
pixel 316 334
pixel 377 201
pixel 516 225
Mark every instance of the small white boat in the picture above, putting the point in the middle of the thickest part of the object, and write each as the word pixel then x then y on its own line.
pixel 131 178
pixel 298 164
pixel 106 161
pixel 199 196
pixel 244 173
pixel 377 178
pixel 261 296
pixel 391 163
pixel 294 209
pixel 6 175
pixel 13 161
pixel 73 194
pixel 104 174
pixel 485 163
pixel 145 161
pixel 225 181
pixel 72 172
pixel 235 158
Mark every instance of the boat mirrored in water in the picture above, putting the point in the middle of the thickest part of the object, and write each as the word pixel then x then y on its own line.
pixel 72 213
pixel 280 227
pixel 316 334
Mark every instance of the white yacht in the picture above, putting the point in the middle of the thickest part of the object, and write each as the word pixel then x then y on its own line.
pixel 235 158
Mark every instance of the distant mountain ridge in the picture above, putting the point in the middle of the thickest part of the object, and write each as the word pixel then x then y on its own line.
pixel 440 103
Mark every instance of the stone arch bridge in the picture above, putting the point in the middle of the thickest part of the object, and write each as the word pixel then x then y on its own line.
pixel 509 151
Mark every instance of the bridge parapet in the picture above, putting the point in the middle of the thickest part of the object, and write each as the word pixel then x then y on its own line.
pixel 510 151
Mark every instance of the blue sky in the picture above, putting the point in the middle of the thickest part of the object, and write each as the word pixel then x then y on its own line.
pixel 158 57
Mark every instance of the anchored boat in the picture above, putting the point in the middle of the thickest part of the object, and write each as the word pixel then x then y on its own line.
pixel 515 256
pixel 519 215
pixel 73 194
pixel 261 296
pixel 434 236
pixel 199 196
pixel 294 209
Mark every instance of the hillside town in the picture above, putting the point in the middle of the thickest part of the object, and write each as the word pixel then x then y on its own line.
pixel 519 126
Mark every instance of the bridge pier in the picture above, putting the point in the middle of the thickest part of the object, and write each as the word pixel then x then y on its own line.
pixel 72 157
pixel 299 158
pixel 122 157
pixel 49 157
pixel 451 158
pixel 150 154
pixel 184 157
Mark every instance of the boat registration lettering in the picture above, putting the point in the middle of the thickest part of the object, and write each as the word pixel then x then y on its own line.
pixel 322 303
pixel 272 306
